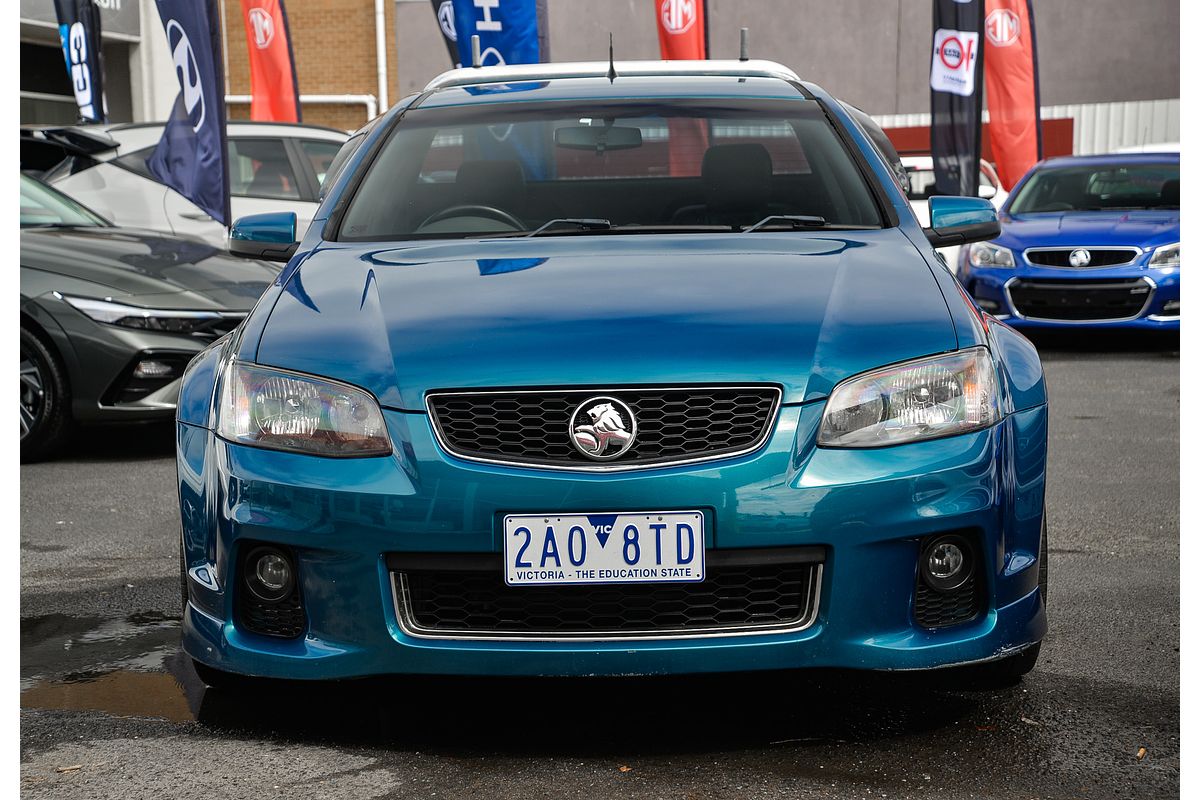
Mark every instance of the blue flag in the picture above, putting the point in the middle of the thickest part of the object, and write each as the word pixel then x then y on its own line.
pixel 191 156
pixel 507 30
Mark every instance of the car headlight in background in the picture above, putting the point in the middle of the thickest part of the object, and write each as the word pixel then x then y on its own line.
pixel 923 399
pixel 282 410
pixel 147 319
pixel 1166 256
pixel 986 254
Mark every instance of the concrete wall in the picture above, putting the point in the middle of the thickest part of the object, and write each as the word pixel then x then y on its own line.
pixel 874 53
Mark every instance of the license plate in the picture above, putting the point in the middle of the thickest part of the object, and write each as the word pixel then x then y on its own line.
pixel 633 547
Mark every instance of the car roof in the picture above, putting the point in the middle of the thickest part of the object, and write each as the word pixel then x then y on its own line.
pixel 589 80
pixel 1108 159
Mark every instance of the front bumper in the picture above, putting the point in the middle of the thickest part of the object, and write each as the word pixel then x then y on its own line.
pixel 868 509
pixel 1156 307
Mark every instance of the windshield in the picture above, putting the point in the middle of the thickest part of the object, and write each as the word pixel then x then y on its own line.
pixel 669 166
pixel 1098 188
pixel 42 206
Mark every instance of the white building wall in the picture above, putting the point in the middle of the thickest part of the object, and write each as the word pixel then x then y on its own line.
pixel 1099 127
pixel 152 72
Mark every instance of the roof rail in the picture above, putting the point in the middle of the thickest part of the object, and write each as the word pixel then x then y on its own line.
pixel 514 73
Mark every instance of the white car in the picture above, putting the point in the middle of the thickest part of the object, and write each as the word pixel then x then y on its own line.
pixel 272 167
pixel 921 182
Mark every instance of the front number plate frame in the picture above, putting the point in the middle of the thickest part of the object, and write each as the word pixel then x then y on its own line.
pixel 604 548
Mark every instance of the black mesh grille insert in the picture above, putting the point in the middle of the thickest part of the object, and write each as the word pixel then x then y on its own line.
pixel 1076 300
pixel 533 427
pixel 735 595
pixel 1098 257
pixel 936 609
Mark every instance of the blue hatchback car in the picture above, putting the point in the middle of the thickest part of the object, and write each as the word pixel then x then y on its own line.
pixel 581 374
pixel 1090 240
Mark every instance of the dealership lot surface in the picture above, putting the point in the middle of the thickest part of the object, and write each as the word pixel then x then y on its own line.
pixel 111 709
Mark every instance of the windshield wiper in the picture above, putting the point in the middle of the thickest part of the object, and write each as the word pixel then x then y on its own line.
pixel 584 223
pixel 796 221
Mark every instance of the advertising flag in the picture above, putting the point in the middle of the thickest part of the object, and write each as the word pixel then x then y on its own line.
pixel 507 30
pixel 1011 75
pixel 956 82
pixel 79 32
pixel 191 157
pixel 682 29
pixel 683 35
pixel 444 11
pixel 274 91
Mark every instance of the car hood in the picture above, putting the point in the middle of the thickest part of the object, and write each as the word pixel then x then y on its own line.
pixel 1093 229
pixel 141 263
pixel 801 311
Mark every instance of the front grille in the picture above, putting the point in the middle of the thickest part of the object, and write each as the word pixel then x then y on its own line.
pixel 454 595
pixel 211 331
pixel 673 425
pixel 1099 256
pixel 934 609
pixel 1080 300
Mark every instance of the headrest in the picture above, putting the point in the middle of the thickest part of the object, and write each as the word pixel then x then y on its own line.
pixel 1169 196
pixel 736 176
pixel 490 183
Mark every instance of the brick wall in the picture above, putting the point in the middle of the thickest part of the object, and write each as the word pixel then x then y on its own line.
pixel 333 42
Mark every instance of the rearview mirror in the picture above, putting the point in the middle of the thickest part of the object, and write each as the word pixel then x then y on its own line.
pixel 961 220
pixel 271 237
pixel 598 138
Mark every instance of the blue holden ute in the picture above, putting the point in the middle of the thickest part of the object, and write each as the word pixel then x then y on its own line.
pixel 582 373
pixel 1086 241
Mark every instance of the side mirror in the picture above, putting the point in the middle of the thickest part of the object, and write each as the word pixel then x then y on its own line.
pixel 961 220
pixel 271 237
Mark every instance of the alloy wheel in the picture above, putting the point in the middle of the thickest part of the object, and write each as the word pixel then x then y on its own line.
pixel 33 394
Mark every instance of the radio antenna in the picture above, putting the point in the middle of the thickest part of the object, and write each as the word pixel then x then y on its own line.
pixel 476 56
pixel 612 67
pixel 745 45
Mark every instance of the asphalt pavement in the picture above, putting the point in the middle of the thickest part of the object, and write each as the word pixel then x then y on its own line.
pixel 111 709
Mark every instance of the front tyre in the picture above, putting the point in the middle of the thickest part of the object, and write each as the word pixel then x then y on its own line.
pixel 45 399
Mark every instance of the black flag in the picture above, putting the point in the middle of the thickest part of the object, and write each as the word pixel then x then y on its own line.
pixel 444 10
pixel 956 84
pixel 79 31
pixel 191 155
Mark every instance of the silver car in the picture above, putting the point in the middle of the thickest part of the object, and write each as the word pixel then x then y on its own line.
pixel 272 167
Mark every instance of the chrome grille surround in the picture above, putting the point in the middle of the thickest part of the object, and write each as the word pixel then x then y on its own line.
pixel 554 430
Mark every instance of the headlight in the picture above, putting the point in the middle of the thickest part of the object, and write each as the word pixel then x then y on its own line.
pixel 282 410
pixel 1166 256
pixel 167 321
pixel 986 254
pixel 923 399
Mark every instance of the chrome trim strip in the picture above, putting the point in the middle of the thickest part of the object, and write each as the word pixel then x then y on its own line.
pixel 1163 317
pixel 410 627
pixel 1136 251
pixel 205 614
pixel 768 428
pixel 1016 313
pixel 513 73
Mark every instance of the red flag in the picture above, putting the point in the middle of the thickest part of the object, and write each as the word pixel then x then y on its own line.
pixel 275 95
pixel 682 36
pixel 1010 70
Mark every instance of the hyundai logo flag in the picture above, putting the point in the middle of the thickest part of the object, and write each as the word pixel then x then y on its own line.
pixel 443 10
pixel 956 82
pixel 274 90
pixel 79 31
pixel 1011 71
pixel 190 156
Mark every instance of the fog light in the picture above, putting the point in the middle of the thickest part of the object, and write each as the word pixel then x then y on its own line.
pixel 269 576
pixel 946 563
pixel 150 368
pixel 990 306
pixel 1171 308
